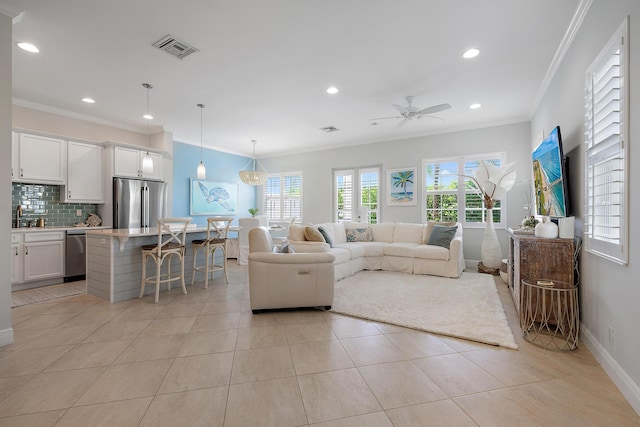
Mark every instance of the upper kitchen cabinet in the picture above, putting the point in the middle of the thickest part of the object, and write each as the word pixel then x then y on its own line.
pixel 128 163
pixel 40 159
pixel 84 173
pixel 15 155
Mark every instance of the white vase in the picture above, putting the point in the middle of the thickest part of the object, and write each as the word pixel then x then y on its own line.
pixel 491 253
pixel 547 229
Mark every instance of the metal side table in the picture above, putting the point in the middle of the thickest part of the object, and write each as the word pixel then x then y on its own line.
pixel 549 314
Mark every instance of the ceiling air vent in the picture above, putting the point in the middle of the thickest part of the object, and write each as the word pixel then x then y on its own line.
pixel 329 129
pixel 174 47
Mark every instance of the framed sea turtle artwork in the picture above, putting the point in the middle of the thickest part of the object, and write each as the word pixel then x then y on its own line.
pixel 213 197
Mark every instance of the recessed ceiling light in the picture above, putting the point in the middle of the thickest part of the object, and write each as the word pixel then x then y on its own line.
pixel 147 116
pixel 89 100
pixel 28 47
pixel 471 53
pixel 475 106
pixel 332 90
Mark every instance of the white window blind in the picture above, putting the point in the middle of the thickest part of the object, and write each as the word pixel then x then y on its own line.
pixel 451 197
pixel 283 197
pixel 605 222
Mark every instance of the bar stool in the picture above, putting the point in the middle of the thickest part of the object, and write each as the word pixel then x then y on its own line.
pixel 217 231
pixel 167 247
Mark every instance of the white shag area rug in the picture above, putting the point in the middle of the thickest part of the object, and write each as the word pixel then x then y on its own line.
pixel 47 293
pixel 468 307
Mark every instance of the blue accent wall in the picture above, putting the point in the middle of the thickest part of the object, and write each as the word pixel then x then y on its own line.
pixel 220 167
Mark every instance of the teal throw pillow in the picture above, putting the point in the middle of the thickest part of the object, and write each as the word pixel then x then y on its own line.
pixel 442 235
pixel 326 236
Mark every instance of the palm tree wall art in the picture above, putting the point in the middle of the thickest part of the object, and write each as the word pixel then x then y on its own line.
pixel 400 187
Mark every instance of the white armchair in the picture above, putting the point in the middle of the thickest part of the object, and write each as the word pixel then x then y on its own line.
pixel 284 280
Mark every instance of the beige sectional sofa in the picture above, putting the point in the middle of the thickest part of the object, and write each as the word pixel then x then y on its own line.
pixel 393 247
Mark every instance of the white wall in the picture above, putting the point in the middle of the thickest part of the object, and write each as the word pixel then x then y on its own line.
pixel 609 293
pixel 6 332
pixel 318 179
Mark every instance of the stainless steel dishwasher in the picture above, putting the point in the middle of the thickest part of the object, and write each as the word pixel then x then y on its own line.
pixel 75 264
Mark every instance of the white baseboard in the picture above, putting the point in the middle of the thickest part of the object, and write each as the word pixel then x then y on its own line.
pixel 6 337
pixel 620 378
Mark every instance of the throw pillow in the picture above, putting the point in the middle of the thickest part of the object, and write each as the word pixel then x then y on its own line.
pixel 312 234
pixel 286 248
pixel 442 235
pixel 326 236
pixel 359 234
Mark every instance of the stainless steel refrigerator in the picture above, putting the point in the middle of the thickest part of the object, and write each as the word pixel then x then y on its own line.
pixel 138 203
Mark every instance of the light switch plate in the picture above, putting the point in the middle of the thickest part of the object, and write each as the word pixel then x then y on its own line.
pixel 79 212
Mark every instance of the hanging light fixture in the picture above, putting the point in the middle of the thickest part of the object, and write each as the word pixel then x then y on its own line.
pixel 147 161
pixel 253 176
pixel 202 172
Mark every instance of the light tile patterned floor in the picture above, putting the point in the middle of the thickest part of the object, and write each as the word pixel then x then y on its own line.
pixel 204 359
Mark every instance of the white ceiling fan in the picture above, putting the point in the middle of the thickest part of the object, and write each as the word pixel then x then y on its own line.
pixel 410 112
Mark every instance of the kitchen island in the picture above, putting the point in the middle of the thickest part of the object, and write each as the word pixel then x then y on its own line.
pixel 114 260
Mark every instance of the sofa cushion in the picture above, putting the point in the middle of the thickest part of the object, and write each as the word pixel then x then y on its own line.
pixel 429 228
pixel 327 234
pixel 296 232
pixel 373 249
pixel 431 252
pixel 359 234
pixel 356 249
pixel 342 255
pixel 400 249
pixel 339 233
pixel 312 234
pixel 407 233
pixel 442 235
pixel 382 232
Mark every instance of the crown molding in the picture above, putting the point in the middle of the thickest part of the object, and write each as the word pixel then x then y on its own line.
pixel 563 48
pixel 78 116
pixel 10 10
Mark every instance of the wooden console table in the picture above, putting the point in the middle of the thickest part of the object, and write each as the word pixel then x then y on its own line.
pixel 533 257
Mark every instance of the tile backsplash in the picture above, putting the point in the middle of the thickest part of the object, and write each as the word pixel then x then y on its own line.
pixel 39 200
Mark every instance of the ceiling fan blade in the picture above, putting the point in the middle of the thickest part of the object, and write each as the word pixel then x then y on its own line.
pixel 400 108
pixel 434 109
pixel 402 123
pixel 440 119
pixel 392 117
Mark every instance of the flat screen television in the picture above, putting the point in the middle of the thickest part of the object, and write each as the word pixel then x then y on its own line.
pixel 550 176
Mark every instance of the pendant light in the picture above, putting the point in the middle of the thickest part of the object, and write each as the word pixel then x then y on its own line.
pixel 202 172
pixel 147 161
pixel 253 176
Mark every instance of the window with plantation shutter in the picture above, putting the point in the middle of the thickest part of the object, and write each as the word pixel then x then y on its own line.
pixel 450 196
pixel 606 95
pixel 356 195
pixel 283 197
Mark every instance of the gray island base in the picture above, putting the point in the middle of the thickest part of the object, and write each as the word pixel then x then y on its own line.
pixel 114 261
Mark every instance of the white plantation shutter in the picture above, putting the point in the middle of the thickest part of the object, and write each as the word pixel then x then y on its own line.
pixel 283 196
pixel 605 222
pixel 344 197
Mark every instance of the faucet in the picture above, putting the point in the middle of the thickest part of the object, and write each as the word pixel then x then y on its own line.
pixel 18 215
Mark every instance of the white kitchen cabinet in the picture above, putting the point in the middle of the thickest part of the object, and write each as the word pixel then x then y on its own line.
pixel 128 163
pixel 84 173
pixel 41 159
pixel 37 255
pixel 17 258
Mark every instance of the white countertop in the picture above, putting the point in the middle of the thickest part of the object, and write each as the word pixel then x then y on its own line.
pixel 54 228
